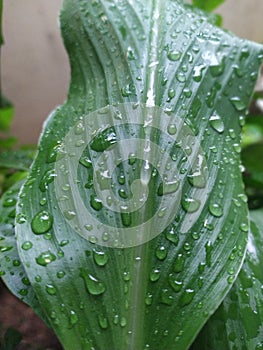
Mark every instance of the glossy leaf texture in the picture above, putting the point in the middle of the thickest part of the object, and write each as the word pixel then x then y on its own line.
pixel 147 56
pixel 12 270
pixel 237 324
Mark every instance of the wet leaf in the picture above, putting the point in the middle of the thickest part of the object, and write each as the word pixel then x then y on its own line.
pixel 143 267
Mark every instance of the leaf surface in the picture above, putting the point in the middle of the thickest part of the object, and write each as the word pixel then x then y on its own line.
pixel 174 79
pixel 237 324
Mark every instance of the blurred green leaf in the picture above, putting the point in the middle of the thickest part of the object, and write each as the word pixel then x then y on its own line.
pixel 207 5
pixel 12 339
pixel 16 159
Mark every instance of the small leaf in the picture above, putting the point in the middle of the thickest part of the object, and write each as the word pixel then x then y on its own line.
pixel 207 5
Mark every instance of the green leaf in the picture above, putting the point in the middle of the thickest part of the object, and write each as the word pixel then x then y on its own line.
pixel 172 81
pixel 6 111
pixel 11 268
pixel 19 159
pixel 207 5
pixel 237 324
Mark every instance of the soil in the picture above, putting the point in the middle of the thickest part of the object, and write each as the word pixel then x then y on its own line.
pixel 16 314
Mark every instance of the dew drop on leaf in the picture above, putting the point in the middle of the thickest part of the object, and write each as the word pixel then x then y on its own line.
pixel 238 104
pixel 217 123
pixel 45 258
pixel 187 297
pixel 73 318
pixel 95 203
pixel 216 210
pixel 27 245
pixel 166 297
pixel 161 253
pixel 42 222
pixel 9 202
pixel 50 289
pixel 190 205
pixel 100 258
pixel 93 285
pixel 155 274
pixel 175 284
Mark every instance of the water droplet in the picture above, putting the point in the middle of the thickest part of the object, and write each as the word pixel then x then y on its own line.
pixel 126 91
pixel 126 219
pixel 104 140
pixel 123 322
pixel 95 203
pixel 155 274
pixel 100 258
pixel 148 299
pixel 45 258
pixel 73 318
pixel 50 289
pixel 172 236
pixel 42 222
pixel 53 152
pixel 93 285
pixel 46 179
pixel 103 322
pixel 172 129
pixel 174 55
pixel 166 297
pixel 179 263
pixel 168 187
pixel 181 77
pixel 217 123
pixel 216 209
pixel 190 205
pixel 244 227
pixel 60 274
pixel 171 93
pixel 9 202
pixel 187 297
pixel 238 103
pixel 161 252
pixel 27 245
pixel 86 162
pixel 175 284
pixel 198 73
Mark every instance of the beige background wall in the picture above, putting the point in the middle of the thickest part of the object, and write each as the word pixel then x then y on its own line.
pixel 34 64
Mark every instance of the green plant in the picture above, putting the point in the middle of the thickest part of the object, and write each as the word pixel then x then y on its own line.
pixel 161 73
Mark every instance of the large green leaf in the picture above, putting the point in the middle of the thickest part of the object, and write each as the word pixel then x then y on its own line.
pixel 237 324
pixel 178 79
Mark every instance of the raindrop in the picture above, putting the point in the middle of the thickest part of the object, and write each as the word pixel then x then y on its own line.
pixel 172 236
pixel 103 140
pixel 174 55
pixel 60 274
pixel 42 222
pixel 187 297
pixel 123 322
pixel 46 179
pixel 238 103
pixel 126 219
pixel 166 297
pixel 86 162
pixel 208 252
pixel 100 258
pixel 50 289
pixel 45 258
pixel 161 253
pixel 9 202
pixel 155 274
pixel 179 263
pixel 95 203
pixel 217 123
pixel 190 205
pixel 175 284
pixel 148 299
pixel 172 129
pixel 27 245
pixel 93 285
pixel 216 210
pixel 73 318
pixel 103 322
pixel 168 187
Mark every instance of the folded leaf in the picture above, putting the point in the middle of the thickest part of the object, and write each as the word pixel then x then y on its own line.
pixel 134 204
pixel 237 324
